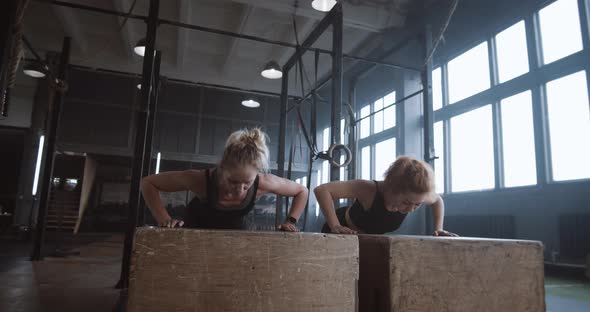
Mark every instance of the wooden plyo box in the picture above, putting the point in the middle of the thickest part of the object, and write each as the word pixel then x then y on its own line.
pixel 206 270
pixel 423 273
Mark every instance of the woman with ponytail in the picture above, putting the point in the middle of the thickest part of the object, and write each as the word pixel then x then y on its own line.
pixel 228 192
pixel 381 206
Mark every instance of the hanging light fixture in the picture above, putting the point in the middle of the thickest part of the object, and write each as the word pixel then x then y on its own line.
pixel 250 103
pixel 139 86
pixel 140 47
pixel 35 69
pixel 323 5
pixel 272 70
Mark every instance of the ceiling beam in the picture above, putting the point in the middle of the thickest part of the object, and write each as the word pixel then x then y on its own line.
pixel 126 34
pixel 372 18
pixel 72 27
pixel 245 15
pixel 185 16
pixel 302 32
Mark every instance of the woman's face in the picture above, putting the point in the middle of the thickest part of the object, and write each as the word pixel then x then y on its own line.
pixel 404 202
pixel 236 180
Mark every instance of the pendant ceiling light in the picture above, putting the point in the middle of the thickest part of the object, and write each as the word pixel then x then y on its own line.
pixel 272 70
pixel 323 5
pixel 139 48
pixel 250 103
pixel 35 69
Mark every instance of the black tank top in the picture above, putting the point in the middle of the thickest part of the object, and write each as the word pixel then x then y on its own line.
pixel 376 220
pixel 206 214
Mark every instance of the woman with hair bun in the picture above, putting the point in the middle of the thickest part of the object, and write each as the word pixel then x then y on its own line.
pixel 381 206
pixel 228 192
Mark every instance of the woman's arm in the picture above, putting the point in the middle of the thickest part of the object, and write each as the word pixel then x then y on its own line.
pixel 327 193
pixel 438 213
pixel 172 181
pixel 270 183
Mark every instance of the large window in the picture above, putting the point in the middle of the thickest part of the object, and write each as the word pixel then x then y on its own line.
pixel 560 30
pixel 548 110
pixel 518 140
pixel 469 73
pixel 472 150
pixel 569 127
pixel 384 156
pixel 439 168
pixel 511 52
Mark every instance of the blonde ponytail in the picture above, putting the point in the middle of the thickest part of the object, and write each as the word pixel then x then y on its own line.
pixel 247 147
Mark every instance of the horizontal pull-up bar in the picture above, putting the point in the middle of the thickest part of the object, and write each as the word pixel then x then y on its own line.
pixel 219 32
pixel 390 105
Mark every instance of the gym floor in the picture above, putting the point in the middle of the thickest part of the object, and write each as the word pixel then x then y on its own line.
pixel 85 282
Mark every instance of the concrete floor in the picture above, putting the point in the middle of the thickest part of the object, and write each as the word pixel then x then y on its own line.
pixel 76 283
pixel 564 292
pixel 85 282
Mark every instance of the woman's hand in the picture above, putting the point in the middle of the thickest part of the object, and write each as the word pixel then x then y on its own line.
pixel 339 229
pixel 288 227
pixel 444 233
pixel 170 223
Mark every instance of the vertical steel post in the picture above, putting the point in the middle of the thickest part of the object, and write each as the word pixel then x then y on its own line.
pixel 282 140
pixel 140 140
pixel 147 159
pixel 429 152
pixel 50 139
pixel 337 78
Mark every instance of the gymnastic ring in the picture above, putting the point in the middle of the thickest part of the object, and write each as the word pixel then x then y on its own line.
pixel 340 147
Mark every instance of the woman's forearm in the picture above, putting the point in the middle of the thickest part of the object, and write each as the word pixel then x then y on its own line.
pixel 326 202
pixel 151 196
pixel 438 214
pixel 298 204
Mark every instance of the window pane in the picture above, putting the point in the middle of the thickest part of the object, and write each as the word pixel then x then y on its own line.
pixel 569 127
pixel 439 163
pixel 304 181
pixel 365 123
pixel 326 139
pixel 342 132
pixel 342 176
pixel 366 163
pixel 518 140
pixel 469 73
pixel 389 117
pixel 437 97
pixel 378 117
pixel 472 150
pixel 389 99
pixel 512 53
pixel 318 183
pixel 325 171
pixel 384 156
pixel 560 30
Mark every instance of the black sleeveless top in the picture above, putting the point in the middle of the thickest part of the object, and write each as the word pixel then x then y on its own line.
pixel 206 214
pixel 376 220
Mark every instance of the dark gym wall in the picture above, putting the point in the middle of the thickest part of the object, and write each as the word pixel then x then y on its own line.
pixel 192 122
pixel 11 141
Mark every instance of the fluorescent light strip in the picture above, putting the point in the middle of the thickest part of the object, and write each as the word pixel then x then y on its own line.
pixel 38 165
pixel 158 163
